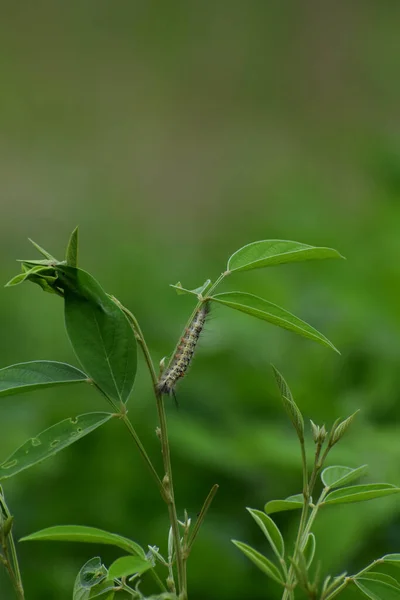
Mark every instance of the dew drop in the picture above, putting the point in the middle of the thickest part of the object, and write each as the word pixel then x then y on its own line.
pixel 35 442
pixel 54 443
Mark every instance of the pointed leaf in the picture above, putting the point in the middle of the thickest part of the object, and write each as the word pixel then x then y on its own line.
pixel 27 274
pixel 42 251
pixel 360 493
pixel 309 550
pixel 128 565
pixel 196 292
pixel 262 309
pixel 263 563
pixel 290 405
pixel 337 476
pixel 267 253
pixel 51 441
pixel 25 377
pixel 100 333
pixel 72 249
pixel 290 503
pixel 89 535
pixel 377 590
pixel 270 530
pixel 339 430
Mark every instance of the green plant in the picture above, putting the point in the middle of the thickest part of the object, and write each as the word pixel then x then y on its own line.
pixel 104 335
pixel 294 571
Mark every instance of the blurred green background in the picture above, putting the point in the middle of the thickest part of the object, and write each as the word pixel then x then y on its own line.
pixel 173 133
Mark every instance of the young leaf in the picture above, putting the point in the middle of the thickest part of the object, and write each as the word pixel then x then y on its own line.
pixel 290 503
pixel 51 441
pixel 88 578
pixel 27 274
pixel 128 565
pixel 25 377
pixel 42 251
pixel 339 430
pixel 309 550
pixel 377 590
pixel 92 573
pixel 267 253
pixel 336 476
pixel 72 249
pixel 100 333
pixel 270 530
pixel 196 292
pixel 360 493
pixel 89 535
pixel 263 563
pixel 290 405
pixel 392 559
pixel 262 309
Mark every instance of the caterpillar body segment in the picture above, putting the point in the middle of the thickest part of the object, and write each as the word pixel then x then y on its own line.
pixel 184 353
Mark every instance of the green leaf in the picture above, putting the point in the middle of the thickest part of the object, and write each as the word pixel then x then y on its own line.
pixel 337 476
pixel 377 590
pixel 262 309
pixel 267 253
pixel 25 377
pixel 90 535
pixel 51 441
pixel 263 563
pixel 42 251
pixel 128 565
pixel 92 573
pixel 100 333
pixel 270 530
pixel 289 404
pixel 360 493
pixel 309 550
pixel 392 559
pixel 72 249
pixel 290 503
pixel 376 576
pixel 88 579
pixel 180 290
pixel 28 274
pixel 339 430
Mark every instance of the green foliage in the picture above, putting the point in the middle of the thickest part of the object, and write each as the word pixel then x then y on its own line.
pixel 336 476
pixel 52 440
pixel 99 332
pixel 128 565
pixel 38 374
pixel 88 535
pixel 267 253
pixel 266 311
pixel 104 334
pixel 290 503
pixel 374 585
pixel 360 493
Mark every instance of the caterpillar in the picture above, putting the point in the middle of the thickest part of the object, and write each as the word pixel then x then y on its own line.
pixel 184 352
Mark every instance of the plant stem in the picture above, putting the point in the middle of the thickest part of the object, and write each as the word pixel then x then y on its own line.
pixel 338 589
pixel 167 483
pixel 8 546
pixel 201 517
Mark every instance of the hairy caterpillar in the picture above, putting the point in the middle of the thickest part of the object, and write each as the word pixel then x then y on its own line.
pixel 184 353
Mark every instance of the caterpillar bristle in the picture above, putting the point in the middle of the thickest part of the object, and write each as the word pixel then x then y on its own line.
pixel 184 353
